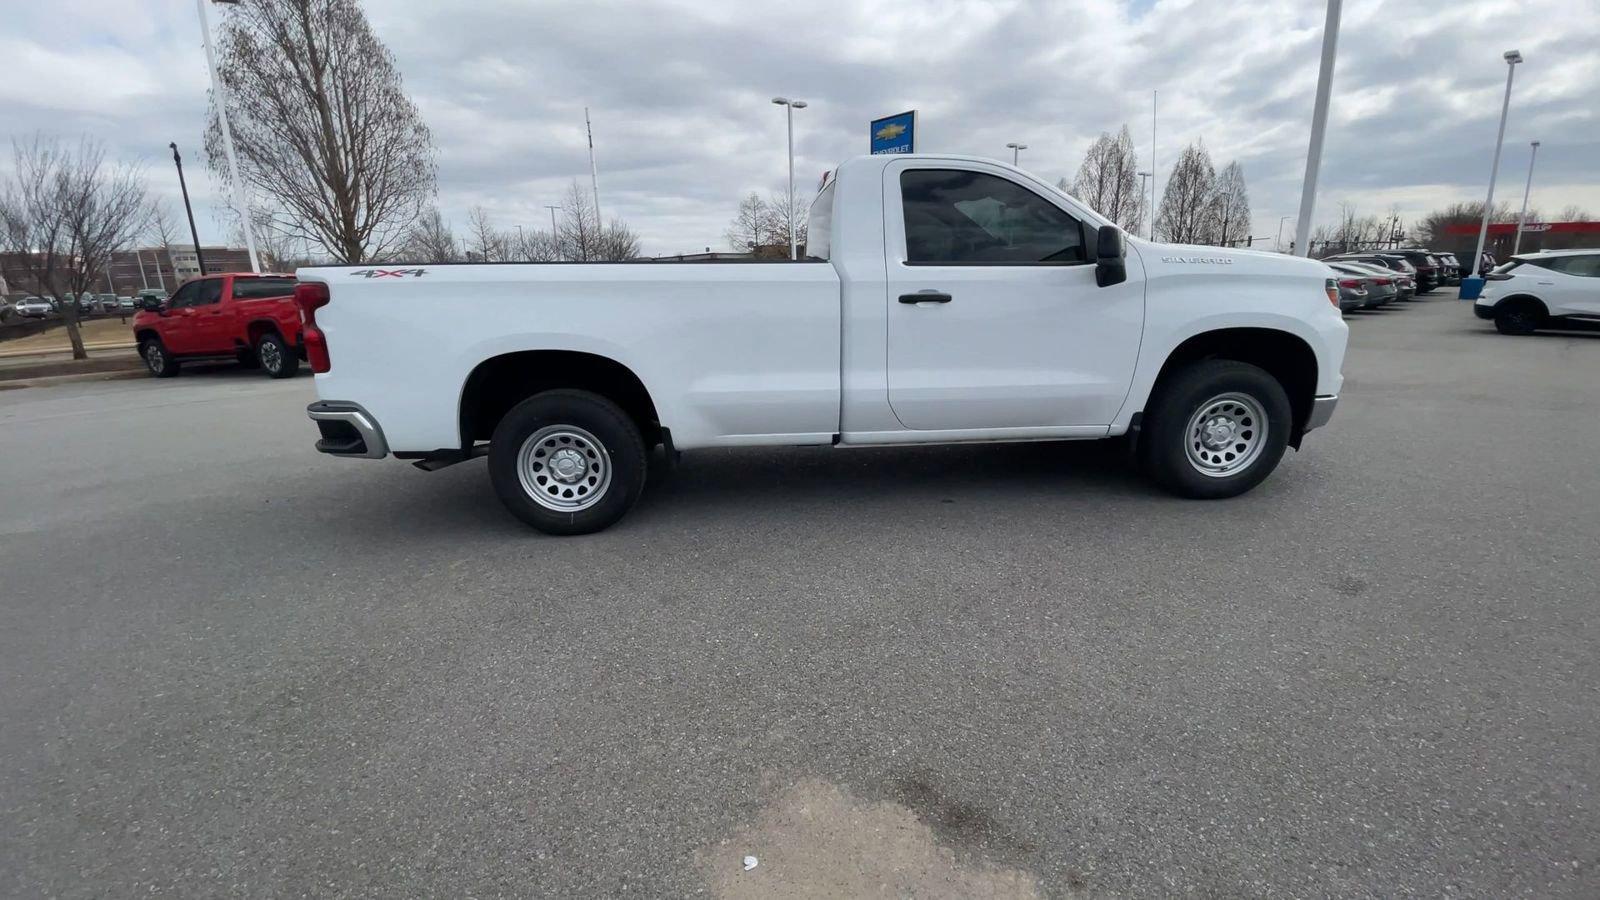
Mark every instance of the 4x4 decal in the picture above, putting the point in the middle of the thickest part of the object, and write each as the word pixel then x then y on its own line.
pixel 390 273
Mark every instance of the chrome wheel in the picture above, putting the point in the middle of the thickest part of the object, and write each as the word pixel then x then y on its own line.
pixel 154 358
pixel 271 355
pixel 564 468
pixel 1225 435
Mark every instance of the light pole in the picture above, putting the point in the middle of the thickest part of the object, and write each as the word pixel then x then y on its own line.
pixel 789 107
pixel 1016 150
pixel 1522 217
pixel 1278 244
pixel 552 219
pixel 1152 223
pixel 239 202
pixel 199 257
pixel 1319 126
pixel 1472 286
pixel 1153 169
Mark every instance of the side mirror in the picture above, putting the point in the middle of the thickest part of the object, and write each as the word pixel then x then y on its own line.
pixel 1110 257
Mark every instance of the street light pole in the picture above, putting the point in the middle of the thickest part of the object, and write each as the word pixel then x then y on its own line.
pixel 1319 126
pixel 239 201
pixel 790 107
pixel 552 219
pixel 199 257
pixel 1142 182
pixel 1470 291
pixel 1522 217
pixel 1153 168
pixel 1278 244
pixel 1016 149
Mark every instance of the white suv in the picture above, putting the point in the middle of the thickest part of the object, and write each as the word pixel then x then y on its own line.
pixel 1540 290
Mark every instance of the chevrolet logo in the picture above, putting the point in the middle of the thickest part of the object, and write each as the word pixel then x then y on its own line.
pixel 889 132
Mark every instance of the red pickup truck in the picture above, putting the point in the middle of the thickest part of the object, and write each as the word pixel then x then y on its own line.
pixel 239 315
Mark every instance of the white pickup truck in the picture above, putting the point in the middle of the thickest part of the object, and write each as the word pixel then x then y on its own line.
pixel 942 299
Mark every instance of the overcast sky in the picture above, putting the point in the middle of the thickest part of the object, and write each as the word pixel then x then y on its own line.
pixel 680 94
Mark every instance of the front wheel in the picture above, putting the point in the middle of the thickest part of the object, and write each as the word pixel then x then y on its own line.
pixel 1215 428
pixel 156 358
pixel 567 462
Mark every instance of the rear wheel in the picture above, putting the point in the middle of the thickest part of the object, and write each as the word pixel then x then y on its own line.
pixel 567 462
pixel 1518 317
pixel 1215 428
pixel 278 360
pixel 156 358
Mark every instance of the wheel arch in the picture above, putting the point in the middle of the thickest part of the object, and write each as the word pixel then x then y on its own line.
pixel 500 382
pixel 1284 355
pixel 259 328
pixel 1523 297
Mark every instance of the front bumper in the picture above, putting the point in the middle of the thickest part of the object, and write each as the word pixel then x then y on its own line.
pixel 347 430
pixel 1321 412
pixel 1483 310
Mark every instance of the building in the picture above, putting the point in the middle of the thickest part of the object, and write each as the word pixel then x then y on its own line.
pixel 130 271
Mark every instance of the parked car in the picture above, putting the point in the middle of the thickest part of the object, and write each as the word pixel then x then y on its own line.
pixel 35 308
pixel 1452 268
pixel 1352 291
pixel 1542 290
pixel 1388 261
pixel 107 303
pixel 1405 286
pixel 126 304
pixel 248 317
pixel 1378 285
pixel 1486 264
pixel 1019 314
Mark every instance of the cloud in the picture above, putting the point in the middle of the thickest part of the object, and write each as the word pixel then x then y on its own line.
pixel 679 93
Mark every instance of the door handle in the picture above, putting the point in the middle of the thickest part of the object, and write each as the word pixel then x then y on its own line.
pixel 926 297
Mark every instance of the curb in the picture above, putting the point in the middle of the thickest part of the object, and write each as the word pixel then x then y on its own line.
pixel 48 380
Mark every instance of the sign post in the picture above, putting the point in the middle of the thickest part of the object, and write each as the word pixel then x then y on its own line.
pixel 893 134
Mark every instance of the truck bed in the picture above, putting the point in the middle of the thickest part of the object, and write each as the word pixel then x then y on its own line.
pixel 736 353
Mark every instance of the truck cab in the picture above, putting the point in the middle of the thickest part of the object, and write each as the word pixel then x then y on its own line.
pixel 248 317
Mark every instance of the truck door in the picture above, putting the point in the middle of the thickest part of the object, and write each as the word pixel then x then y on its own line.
pixel 212 321
pixel 177 328
pixel 994 317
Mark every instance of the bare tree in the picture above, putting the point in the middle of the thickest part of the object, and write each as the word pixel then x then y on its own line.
pixel 1230 207
pixel 778 219
pixel 581 237
pixel 1108 180
pixel 1186 201
pixel 749 228
pixel 63 212
pixel 328 142
pixel 431 239
pixel 486 242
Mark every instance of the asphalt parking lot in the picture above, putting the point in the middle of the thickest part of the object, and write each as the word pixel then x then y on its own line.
pixel 234 667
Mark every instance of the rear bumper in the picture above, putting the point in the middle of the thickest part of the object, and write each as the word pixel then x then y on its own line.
pixel 1321 411
pixel 347 430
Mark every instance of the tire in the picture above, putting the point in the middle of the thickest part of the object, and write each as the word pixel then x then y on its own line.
pixel 1518 317
pixel 161 363
pixel 277 358
pixel 1184 457
pixel 596 443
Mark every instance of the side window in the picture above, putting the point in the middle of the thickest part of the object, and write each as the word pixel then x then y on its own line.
pixel 258 288
pixel 955 217
pixel 1581 266
pixel 819 227
pixel 184 297
pixel 209 292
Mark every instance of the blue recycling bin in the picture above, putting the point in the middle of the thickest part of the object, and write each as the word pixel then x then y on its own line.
pixel 1471 287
